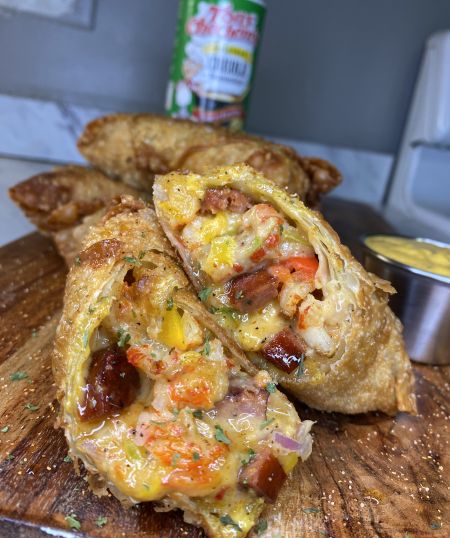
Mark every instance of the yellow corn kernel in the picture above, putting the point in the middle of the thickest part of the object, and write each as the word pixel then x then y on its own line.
pixel 171 333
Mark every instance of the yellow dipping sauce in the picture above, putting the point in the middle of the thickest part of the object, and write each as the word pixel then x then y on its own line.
pixel 419 254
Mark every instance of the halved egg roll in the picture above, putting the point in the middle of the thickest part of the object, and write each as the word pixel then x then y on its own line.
pixel 279 281
pixel 62 199
pixel 135 147
pixel 155 400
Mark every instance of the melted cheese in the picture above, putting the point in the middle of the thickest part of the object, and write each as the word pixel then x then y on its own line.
pixel 256 327
pixel 413 252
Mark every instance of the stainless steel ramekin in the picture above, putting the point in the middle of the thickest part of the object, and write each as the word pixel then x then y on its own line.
pixel 422 302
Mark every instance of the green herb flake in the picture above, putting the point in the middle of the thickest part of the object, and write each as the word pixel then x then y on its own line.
pixel 34 333
pixel 67 459
pixel 228 520
pixel 175 412
pixel 311 510
pixel 435 525
pixel 299 372
pixel 130 259
pixel 141 254
pixel 124 338
pixel 101 521
pixel 169 303
pixel 239 295
pixel 175 459
pixel 4 429
pixel 195 456
pixel 198 413
pixel 207 346
pixel 250 456
pixel 9 457
pixel 407 535
pixel 261 526
pixel 77 260
pixel 220 435
pixel 91 309
pixel 73 522
pixel 18 376
pixel 266 423
pixel 85 338
pixel 271 387
pixel 204 294
pixel 31 407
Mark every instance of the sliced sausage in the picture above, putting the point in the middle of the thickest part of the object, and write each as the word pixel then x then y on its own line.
pixel 216 200
pixel 285 350
pixel 251 291
pixel 112 384
pixel 264 475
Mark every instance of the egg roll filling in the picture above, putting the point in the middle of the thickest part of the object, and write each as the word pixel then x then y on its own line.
pixel 259 274
pixel 164 410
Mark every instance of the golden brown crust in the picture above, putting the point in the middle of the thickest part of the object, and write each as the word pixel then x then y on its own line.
pixel 370 369
pixel 60 199
pixel 136 147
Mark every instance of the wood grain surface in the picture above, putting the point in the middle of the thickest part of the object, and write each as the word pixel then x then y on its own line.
pixel 369 475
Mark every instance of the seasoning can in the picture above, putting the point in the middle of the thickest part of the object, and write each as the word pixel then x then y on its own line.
pixel 214 58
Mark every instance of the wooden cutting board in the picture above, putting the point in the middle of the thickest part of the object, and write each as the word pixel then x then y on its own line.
pixel 369 475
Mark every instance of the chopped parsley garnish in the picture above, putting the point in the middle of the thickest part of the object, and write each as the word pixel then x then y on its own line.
pixel 169 305
pixel 198 413
pixel 266 423
pixel 34 333
pixel 91 309
pixel 77 260
pixel 9 457
pixel 141 254
pixel 31 407
pixel 204 294
pixel 311 510
pixel 207 346
pixel 175 411
pixel 101 521
pixel 271 387
pixel 301 367
pixel 228 520
pixel 175 459
pixel 225 310
pixel 4 429
pixel 73 522
pixel 261 526
pixel 67 459
pixel 220 435
pixel 195 456
pixel 17 376
pixel 130 259
pixel 124 338
pixel 85 338
pixel 251 455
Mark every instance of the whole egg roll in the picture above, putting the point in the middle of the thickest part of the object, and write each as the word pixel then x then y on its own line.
pixel 279 281
pixel 156 401
pixel 136 147
pixel 61 203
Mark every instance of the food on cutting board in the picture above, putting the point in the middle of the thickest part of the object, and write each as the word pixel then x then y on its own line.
pixel 134 148
pixel 156 400
pixel 425 255
pixel 278 280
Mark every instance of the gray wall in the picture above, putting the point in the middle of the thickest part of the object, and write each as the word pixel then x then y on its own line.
pixel 332 71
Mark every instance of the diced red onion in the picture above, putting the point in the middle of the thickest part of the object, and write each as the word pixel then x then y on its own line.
pixel 302 445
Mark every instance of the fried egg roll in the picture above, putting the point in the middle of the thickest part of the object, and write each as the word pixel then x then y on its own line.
pixel 277 279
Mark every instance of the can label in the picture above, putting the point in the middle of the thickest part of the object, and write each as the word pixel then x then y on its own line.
pixel 212 67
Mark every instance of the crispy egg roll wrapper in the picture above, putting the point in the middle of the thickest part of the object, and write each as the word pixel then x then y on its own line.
pixel 136 147
pixel 126 262
pixel 59 201
pixel 367 368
